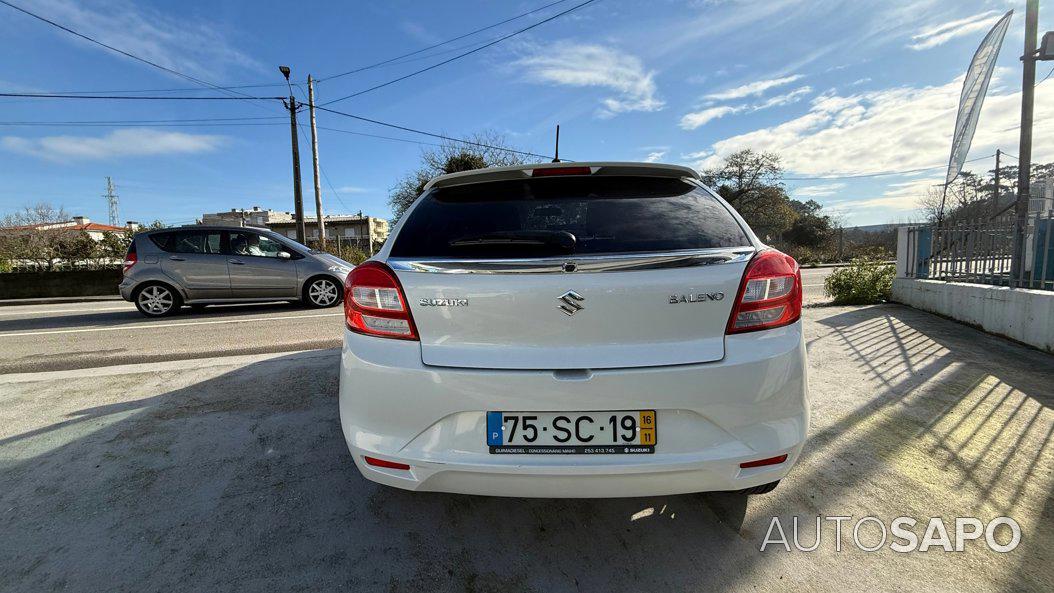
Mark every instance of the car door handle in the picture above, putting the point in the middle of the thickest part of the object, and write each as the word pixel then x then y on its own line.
pixel 175 258
pixel 236 262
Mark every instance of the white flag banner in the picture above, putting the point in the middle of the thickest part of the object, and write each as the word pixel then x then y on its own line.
pixel 974 88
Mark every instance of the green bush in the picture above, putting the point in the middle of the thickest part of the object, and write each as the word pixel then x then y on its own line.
pixel 862 282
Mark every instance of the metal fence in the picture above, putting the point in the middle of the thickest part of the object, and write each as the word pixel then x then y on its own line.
pixel 352 249
pixel 981 252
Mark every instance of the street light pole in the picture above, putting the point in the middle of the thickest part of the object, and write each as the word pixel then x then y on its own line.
pixel 314 162
pixel 1028 85
pixel 298 196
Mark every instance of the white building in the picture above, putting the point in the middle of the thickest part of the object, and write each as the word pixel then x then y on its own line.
pixel 353 228
pixel 1041 196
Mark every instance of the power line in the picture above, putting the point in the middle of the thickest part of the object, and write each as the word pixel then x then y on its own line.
pixel 1045 77
pixel 234 87
pixel 407 140
pixel 882 174
pixel 168 90
pixel 220 121
pixel 201 123
pixel 118 50
pixel 441 43
pixel 459 56
pixel 134 98
pixel 141 122
pixel 325 177
pixel 432 134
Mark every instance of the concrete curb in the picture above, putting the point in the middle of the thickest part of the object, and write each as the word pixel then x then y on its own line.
pixel 59 300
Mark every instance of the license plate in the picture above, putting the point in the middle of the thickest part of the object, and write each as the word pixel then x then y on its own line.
pixel 572 432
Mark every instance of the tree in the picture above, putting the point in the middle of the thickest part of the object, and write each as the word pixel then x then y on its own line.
pixel 752 183
pixel 114 246
pixel 452 157
pixel 73 247
pixel 744 172
pixel 811 228
pixel 30 237
pixel 970 195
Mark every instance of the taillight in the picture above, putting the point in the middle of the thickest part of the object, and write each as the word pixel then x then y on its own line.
pixel 769 295
pixel 130 258
pixel 375 305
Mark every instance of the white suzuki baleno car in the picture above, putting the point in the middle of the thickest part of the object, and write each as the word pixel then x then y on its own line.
pixel 583 330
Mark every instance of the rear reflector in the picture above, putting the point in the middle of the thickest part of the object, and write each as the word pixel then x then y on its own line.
pixel 761 462
pixel 390 464
pixel 550 171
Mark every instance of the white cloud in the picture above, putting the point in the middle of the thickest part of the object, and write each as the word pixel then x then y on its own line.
pixel 898 197
pixel 119 143
pixel 579 65
pixel 755 88
pixel 185 44
pixel 896 129
pixel 784 99
pixel 817 191
pixel 654 156
pixel 352 189
pixel 889 130
pixel 933 36
pixel 691 121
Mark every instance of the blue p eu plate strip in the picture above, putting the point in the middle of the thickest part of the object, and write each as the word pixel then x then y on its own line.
pixel 495 438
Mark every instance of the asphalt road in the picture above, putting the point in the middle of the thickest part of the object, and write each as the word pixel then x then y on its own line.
pixel 36 338
pixel 232 474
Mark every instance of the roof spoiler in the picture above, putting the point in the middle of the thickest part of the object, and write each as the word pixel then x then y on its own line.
pixel 596 168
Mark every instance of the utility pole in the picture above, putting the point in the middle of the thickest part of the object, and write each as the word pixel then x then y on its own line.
pixel 1028 86
pixel 996 191
pixel 111 202
pixel 314 161
pixel 298 195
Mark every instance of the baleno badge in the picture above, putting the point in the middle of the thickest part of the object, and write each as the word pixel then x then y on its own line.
pixel 696 298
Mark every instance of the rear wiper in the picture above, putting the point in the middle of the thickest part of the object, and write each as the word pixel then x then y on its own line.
pixel 553 239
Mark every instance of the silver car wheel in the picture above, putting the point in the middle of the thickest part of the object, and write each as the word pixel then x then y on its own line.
pixel 156 300
pixel 322 292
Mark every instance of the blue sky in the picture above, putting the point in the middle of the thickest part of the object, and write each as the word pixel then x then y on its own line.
pixel 836 87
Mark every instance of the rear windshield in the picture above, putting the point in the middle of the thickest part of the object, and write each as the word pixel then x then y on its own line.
pixel 564 216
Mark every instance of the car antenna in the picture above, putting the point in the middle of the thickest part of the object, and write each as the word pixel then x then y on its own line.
pixel 556 157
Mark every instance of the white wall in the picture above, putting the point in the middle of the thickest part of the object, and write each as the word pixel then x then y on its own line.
pixel 1020 314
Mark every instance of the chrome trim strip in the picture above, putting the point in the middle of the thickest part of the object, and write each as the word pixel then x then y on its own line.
pixel 558 265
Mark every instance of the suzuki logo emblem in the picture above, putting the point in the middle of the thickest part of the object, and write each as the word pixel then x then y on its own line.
pixel 571 300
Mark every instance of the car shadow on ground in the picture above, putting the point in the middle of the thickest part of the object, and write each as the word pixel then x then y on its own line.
pixel 242 481
pixel 42 321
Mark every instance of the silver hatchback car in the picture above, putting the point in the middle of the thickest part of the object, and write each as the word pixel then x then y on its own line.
pixel 201 265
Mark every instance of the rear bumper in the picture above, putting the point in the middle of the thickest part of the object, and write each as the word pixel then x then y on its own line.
pixel 125 287
pixel 711 417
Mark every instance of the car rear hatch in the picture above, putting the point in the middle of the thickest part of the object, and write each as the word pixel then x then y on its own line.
pixel 571 272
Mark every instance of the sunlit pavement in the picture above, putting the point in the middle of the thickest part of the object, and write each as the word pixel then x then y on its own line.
pixel 231 474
